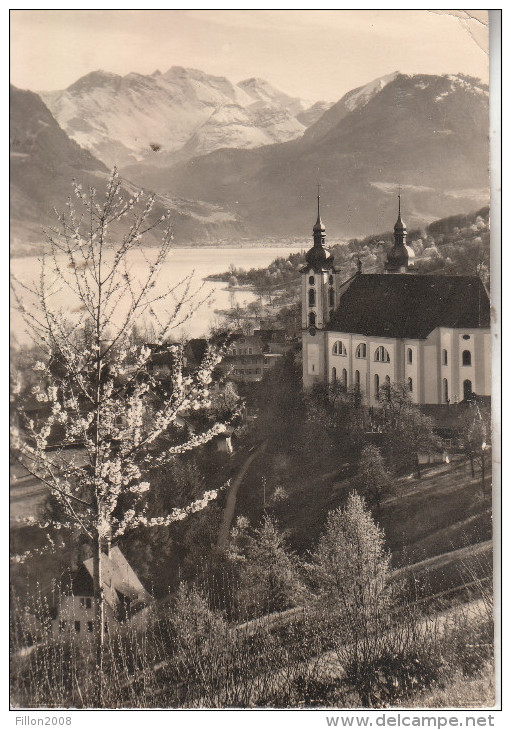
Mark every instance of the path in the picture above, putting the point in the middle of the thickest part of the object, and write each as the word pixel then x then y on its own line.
pixel 230 505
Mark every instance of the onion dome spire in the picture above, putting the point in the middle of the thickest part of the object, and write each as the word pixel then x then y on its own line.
pixel 319 257
pixel 400 225
pixel 400 257
pixel 319 228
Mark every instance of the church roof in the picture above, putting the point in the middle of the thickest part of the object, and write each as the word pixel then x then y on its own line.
pixel 410 306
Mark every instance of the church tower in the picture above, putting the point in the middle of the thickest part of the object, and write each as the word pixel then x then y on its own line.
pixel 400 257
pixel 320 297
pixel 319 285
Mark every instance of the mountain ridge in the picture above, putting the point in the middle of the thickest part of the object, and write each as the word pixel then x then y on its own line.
pixel 426 133
pixel 178 114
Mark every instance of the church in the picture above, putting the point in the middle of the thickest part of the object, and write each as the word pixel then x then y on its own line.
pixel 431 333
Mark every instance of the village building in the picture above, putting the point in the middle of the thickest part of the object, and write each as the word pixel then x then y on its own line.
pixel 430 332
pixel 248 357
pixel 124 595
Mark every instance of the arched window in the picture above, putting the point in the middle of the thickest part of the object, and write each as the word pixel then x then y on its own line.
pixel 381 355
pixel 330 279
pixel 387 381
pixel 410 385
pixel 361 351
pixel 376 385
pixel 409 356
pixel 445 388
pixel 338 348
pixel 444 357
pixel 345 377
pixel 357 378
pixel 467 389
pixel 334 375
pixel 312 319
pixel 311 280
pixel 330 297
pixel 466 357
pixel 312 298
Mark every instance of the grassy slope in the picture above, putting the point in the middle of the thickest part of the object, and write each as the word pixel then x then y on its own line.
pixel 441 513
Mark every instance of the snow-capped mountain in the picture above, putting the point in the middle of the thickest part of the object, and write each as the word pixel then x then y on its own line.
pixel 427 133
pixel 43 162
pixel 161 118
pixel 353 100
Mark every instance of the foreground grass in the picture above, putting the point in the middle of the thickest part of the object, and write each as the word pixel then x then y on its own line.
pixel 460 692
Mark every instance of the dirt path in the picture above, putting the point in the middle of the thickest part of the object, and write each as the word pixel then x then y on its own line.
pixel 231 497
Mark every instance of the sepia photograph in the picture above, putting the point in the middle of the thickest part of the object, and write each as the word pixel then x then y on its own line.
pixel 254 339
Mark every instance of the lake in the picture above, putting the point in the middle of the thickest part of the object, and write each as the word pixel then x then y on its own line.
pixel 179 264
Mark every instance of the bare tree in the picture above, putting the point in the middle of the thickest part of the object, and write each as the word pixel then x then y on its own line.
pixel 96 378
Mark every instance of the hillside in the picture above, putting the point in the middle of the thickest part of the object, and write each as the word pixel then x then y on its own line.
pixel 164 117
pixel 44 161
pixel 455 245
pixel 428 134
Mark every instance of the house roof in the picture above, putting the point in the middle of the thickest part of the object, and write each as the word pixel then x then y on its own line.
pixel 410 306
pixel 118 578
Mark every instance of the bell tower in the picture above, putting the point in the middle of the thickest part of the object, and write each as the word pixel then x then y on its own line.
pixel 320 297
pixel 319 285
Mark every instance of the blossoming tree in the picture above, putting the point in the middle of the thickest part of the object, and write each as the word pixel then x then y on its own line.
pixel 96 382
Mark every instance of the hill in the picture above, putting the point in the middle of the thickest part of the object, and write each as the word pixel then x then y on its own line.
pixel 43 162
pixel 428 134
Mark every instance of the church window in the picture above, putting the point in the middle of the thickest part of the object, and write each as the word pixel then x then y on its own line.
pixel 376 385
pixel 466 358
pixel 410 385
pixel 409 356
pixel 444 357
pixel 312 298
pixel 361 351
pixel 338 348
pixel 312 319
pixel 345 378
pixel 467 389
pixel 466 337
pixel 381 354
pixel 334 375
pixel 357 378
pixel 387 381
pixel 330 279
pixel 311 280
pixel 331 297
pixel 445 386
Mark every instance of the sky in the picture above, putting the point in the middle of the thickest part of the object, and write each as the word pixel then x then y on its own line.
pixel 313 54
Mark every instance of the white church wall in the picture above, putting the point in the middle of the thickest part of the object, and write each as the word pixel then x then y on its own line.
pixel 313 358
pixel 383 370
pixel 411 369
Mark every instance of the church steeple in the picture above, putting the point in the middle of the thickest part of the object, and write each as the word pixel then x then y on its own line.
pixel 319 257
pixel 319 230
pixel 399 258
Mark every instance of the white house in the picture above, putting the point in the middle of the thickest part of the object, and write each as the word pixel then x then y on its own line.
pixel 430 332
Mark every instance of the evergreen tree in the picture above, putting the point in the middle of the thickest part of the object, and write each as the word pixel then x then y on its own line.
pixel 269 576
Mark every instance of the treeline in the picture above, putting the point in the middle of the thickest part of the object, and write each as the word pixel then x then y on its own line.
pixel 458 244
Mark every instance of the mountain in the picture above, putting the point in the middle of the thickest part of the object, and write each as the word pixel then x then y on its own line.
pixel 162 118
pixel 43 162
pixel 428 134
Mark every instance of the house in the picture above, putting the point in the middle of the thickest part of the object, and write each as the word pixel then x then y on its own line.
pixel 125 596
pixel 248 357
pixel 430 332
